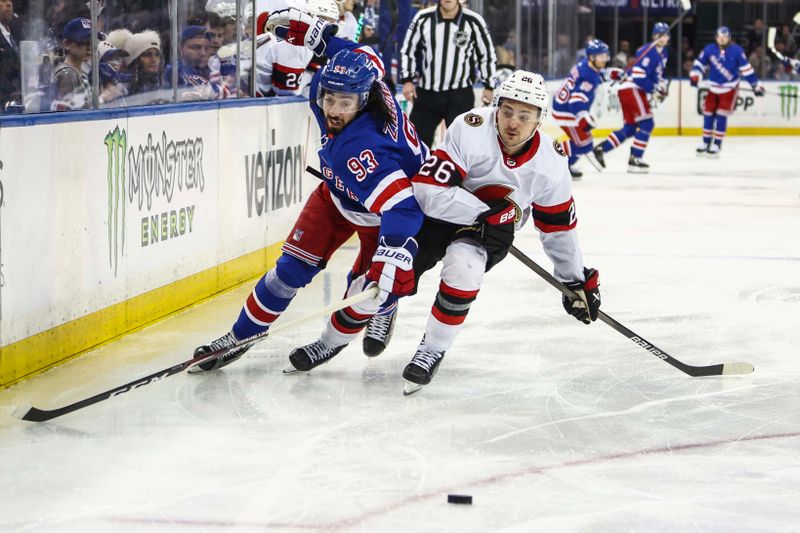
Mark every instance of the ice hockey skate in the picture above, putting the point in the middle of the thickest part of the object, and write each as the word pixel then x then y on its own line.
pixel 713 151
pixel 378 333
pixel 702 149
pixel 311 356
pixel 226 341
pixel 596 157
pixel 575 173
pixel 422 368
pixel 637 166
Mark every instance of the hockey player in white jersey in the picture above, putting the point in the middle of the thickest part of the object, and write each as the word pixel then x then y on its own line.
pixel 281 66
pixel 495 170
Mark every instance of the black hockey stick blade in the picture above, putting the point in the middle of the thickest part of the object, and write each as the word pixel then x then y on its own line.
pixel 33 414
pixel 722 369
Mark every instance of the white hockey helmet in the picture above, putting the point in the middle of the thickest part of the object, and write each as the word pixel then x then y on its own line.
pixel 324 9
pixel 526 87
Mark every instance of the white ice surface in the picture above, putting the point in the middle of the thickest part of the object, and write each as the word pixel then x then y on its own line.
pixel 549 424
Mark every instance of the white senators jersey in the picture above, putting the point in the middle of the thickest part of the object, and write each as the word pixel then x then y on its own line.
pixel 472 168
pixel 280 67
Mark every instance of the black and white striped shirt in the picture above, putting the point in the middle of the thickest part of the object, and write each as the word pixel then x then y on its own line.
pixel 450 51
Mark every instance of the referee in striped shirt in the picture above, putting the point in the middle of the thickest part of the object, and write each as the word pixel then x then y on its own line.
pixel 446 45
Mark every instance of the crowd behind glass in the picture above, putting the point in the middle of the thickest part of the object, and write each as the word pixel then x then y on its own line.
pixel 47 64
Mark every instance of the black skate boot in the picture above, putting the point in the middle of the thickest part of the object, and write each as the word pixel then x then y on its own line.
pixel 311 356
pixel 713 150
pixel 575 173
pixel 226 341
pixel 596 157
pixel 702 149
pixel 422 368
pixel 379 333
pixel 637 166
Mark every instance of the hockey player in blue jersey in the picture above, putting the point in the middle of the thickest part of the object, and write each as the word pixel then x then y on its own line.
pixel 723 64
pixel 645 78
pixel 573 102
pixel 369 152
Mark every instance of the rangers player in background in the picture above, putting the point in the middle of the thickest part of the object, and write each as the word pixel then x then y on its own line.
pixel 494 172
pixel 723 64
pixel 369 152
pixel 281 66
pixel 573 102
pixel 646 78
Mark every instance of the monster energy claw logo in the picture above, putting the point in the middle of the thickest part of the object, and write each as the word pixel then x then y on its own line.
pixel 789 97
pixel 116 143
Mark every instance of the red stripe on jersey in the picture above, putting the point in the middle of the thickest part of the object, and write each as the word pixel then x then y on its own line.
pixel 375 59
pixel 514 161
pixel 257 312
pixel 447 319
pixel 459 293
pixel 554 208
pixel 392 189
pixel 551 228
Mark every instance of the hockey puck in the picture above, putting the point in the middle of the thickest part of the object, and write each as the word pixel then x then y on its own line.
pixel 459 498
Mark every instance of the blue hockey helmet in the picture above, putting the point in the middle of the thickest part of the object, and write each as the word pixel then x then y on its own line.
pixel 348 72
pixel 595 47
pixel 659 29
pixel 724 30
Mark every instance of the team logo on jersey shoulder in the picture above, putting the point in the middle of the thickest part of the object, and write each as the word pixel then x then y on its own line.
pixel 559 149
pixel 473 120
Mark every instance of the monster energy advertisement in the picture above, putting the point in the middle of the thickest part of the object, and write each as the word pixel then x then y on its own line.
pixel 141 179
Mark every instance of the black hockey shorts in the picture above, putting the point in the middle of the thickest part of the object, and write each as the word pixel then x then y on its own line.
pixel 435 236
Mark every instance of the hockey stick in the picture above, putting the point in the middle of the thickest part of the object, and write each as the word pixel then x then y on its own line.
pixel 771 33
pixel 725 369
pixel 686 5
pixel 33 414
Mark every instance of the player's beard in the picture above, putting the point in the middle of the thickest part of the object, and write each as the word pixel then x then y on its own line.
pixel 334 125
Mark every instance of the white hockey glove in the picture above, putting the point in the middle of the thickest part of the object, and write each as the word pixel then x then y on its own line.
pixel 759 89
pixel 301 29
pixel 661 92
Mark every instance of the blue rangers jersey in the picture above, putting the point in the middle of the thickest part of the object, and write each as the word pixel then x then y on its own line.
pixel 724 67
pixel 574 99
pixel 368 166
pixel 648 71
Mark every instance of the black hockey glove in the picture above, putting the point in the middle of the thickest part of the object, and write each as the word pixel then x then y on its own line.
pixel 496 224
pixel 587 305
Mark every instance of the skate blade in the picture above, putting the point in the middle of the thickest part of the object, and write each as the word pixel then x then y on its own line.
pixel 633 170
pixel 291 370
pixel 593 160
pixel 713 156
pixel 410 388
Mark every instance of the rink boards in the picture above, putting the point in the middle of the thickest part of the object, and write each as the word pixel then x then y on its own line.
pixel 110 220
pixel 776 113
pixel 110 223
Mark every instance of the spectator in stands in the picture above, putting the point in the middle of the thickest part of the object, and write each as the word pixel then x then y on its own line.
pixel 623 55
pixel 564 56
pixel 9 55
pixel 193 71
pixel 144 62
pixel 70 84
pixel 348 24
pixel 113 81
pixel 761 62
pixel 369 36
pixel 755 37
pixel 789 41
